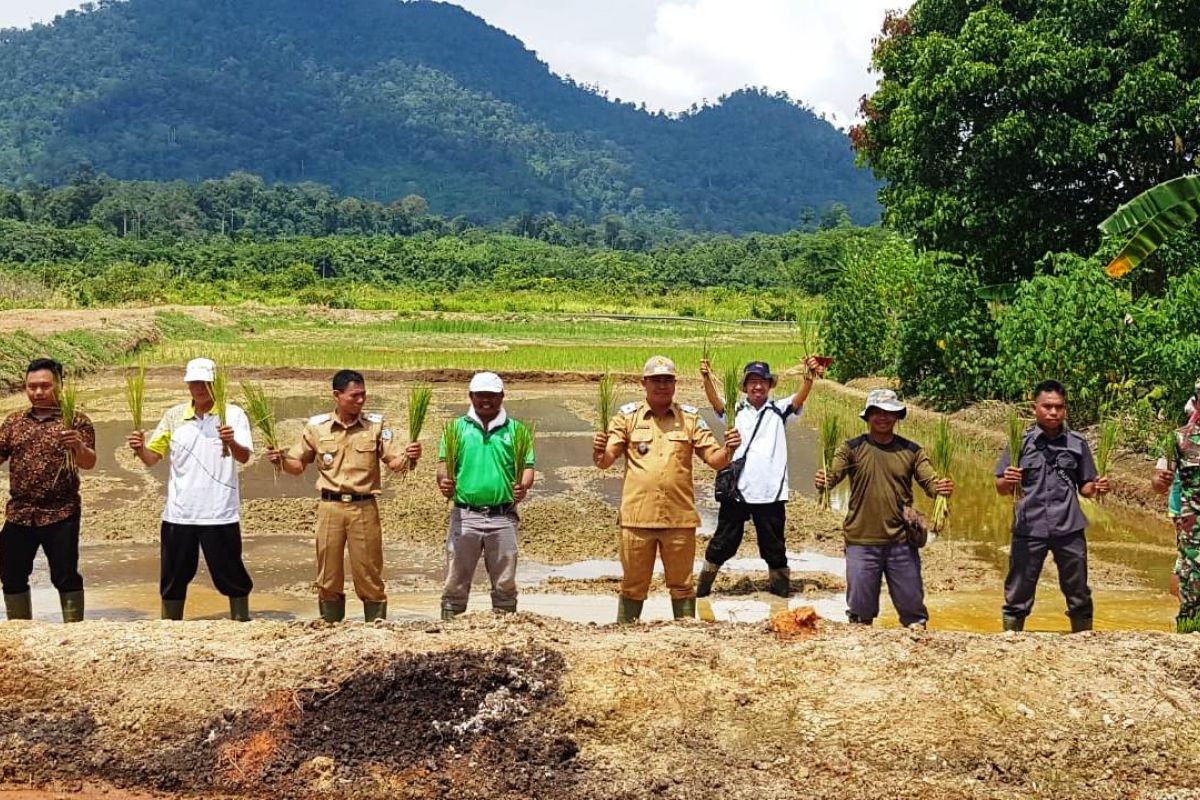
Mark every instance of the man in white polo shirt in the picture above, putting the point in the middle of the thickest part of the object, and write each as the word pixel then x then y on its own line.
pixel 203 494
pixel 762 487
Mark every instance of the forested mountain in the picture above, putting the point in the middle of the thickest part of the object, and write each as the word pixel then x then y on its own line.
pixel 384 99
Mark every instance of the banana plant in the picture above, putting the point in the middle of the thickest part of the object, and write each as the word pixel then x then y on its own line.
pixel 1149 219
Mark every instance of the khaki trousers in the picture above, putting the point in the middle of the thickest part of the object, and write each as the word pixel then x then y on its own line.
pixel 677 546
pixel 357 525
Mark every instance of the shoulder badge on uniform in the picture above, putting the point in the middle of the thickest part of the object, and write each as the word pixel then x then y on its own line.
pixel 386 434
pixel 629 408
pixel 374 418
pixel 319 418
pixel 701 424
pixel 689 409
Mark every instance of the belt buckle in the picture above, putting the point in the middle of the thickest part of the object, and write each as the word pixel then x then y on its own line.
pixel 486 510
pixel 346 498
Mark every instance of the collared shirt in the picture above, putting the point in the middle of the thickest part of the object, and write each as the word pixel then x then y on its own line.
pixel 203 487
pixel 658 490
pixel 1054 469
pixel 764 479
pixel 881 477
pixel 347 456
pixel 42 490
pixel 486 469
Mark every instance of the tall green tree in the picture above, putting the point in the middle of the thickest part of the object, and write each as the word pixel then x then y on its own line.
pixel 1008 129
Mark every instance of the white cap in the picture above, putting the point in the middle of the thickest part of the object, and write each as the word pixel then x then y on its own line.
pixel 486 382
pixel 886 400
pixel 200 369
pixel 658 365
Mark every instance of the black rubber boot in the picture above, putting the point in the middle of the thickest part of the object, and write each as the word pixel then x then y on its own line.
pixel 1081 624
pixel 172 609
pixel 1013 623
pixel 332 610
pixel 239 609
pixel 684 609
pixel 854 619
pixel 708 574
pixel 72 606
pixel 374 611
pixel 19 606
pixel 450 613
pixel 629 610
pixel 779 582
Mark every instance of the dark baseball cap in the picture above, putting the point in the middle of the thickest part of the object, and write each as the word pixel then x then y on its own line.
pixel 760 368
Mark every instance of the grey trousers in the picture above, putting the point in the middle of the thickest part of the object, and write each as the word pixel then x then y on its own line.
pixel 868 564
pixel 495 537
pixel 1025 567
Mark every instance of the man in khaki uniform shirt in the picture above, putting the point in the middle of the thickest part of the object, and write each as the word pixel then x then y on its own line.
pixel 658 504
pixel 348 447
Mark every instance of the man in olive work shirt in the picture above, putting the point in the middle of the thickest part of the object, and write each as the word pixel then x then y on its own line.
pixel 1053 469
pixel 882 467
pixel 43 510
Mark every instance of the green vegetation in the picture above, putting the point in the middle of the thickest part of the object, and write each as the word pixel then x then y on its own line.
pixel 393 100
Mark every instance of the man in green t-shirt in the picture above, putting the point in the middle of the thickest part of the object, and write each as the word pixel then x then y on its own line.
pixel 486 486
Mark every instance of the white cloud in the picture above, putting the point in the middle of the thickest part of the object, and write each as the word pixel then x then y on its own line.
pixel 23 13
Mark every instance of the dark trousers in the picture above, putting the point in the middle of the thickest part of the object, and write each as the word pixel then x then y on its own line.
pixel 900 563
pixel 60 542
pixel 731 526
pixel 180 554
pixel 1025 567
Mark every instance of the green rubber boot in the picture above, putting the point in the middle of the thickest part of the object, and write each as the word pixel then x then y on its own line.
pixel 172 609
pixel 19 606
pixel 704 584
pixel 779 582
pixel 374 611
pixel 684 609
pixel 239 609
pixel 629 610
pixel 1081 624
pixel 1013 623
pixel 332 610
pixel 72 606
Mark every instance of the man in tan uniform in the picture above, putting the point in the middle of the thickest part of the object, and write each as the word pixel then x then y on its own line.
pixel 658 505
pixel 348 447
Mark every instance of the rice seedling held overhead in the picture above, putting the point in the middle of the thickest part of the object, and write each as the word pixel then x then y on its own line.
pixel 831 438
pixel 942 456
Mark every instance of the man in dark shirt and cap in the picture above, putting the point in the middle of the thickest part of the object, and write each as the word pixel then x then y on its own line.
pixel 1053 469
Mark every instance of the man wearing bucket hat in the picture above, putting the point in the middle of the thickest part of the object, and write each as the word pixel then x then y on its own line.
pixel 1177 474
pixel 486 487
pixel 203 510
pixel 761 491
pixel 348 446
pixel 658 438
pixel 882 466
pixel 1053 470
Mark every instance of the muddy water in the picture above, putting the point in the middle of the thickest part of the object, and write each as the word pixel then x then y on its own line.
pixel 122 578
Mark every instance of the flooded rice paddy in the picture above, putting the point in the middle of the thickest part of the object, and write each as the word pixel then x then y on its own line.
pixel 122 577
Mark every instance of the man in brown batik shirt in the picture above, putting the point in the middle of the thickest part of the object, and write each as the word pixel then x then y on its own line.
pixel 43 508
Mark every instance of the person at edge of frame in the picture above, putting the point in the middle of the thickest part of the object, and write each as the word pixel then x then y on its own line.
pixel 1053 470
pixel 203 508
pixel 658 517
pixel 348 446
pixel 762 487
pixel 44 505
pixel 882 467
pixel 1181 484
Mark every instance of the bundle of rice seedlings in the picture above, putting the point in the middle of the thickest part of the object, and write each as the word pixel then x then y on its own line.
pixel 706 348
pixel 68 405
pixel 1016 442
pixel 419 398
pixel 135 395
pixel 1165 447
pixel 262 415
pixel 451 446
pixel 522 448
pixel 219 389
pixel 1106 444
pixel 831 437
pixel 942 456
pixel 731 381
pixel 604 402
